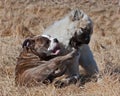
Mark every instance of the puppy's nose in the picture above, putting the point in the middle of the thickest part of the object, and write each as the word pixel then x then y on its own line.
pixel 56 40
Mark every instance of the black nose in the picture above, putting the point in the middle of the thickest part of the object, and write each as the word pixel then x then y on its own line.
pixel 56 40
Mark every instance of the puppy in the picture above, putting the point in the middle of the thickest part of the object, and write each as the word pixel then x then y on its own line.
pixel 32 67
pixel 75 31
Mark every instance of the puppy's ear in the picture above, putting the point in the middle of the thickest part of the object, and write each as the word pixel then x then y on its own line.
pixel 27 43
pixel 76 15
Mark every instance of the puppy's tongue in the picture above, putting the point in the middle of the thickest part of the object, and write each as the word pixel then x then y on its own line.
pixel 56 50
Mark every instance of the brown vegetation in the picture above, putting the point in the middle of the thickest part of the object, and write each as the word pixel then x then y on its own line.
pixel 21 18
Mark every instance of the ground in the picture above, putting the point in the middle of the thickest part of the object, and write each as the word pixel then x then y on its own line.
pixel 21 18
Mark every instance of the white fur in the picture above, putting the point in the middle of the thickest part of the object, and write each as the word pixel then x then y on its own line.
pixel 64 29
pixel 52 44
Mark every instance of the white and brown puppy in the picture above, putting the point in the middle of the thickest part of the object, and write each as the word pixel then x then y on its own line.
pixel 68 31
pixel 32 65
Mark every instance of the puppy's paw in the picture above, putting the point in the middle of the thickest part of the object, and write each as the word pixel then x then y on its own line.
pixel 60 84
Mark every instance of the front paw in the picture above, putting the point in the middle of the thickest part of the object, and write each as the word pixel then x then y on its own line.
pixel 60 84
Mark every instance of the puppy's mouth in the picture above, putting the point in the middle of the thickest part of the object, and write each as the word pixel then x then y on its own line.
pixel 56 50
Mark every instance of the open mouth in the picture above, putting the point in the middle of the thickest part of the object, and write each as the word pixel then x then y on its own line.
pixel 56 50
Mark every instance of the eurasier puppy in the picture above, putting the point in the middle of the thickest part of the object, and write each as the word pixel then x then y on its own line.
pixel 74 31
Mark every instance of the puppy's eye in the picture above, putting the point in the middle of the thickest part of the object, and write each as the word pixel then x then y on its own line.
pixel 55 40
pixel 47 42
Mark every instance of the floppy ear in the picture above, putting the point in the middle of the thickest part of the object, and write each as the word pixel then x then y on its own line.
pixel 27 43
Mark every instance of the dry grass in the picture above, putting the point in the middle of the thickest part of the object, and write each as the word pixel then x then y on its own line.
pixel 21 18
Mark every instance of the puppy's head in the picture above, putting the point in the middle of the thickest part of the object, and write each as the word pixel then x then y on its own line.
pixel 84 37
pixel 38 45
pixel 84 20
pixel 79 38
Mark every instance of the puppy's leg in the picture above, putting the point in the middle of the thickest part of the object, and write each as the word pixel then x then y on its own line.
pixel 72 72
pixel 40 73
pixel 87 60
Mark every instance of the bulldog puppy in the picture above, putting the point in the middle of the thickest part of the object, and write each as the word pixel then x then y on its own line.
pixel 33 67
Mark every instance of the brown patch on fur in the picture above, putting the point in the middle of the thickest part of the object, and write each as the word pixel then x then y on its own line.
pixel 31 68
